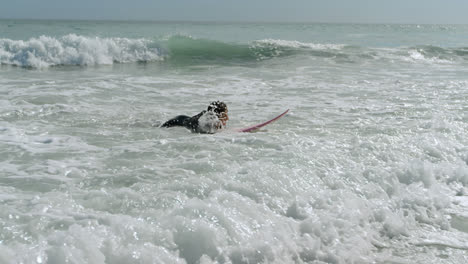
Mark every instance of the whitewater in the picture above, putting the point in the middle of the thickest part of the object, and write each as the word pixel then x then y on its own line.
pixel 369 166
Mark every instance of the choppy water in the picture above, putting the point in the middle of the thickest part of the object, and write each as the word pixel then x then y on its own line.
pixel 370 166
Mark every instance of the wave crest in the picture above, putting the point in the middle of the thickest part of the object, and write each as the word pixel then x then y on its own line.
pixel 184 48
pixel 435 54
pixel 300 45
pixel 71 49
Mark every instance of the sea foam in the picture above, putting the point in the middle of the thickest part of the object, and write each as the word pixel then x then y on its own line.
pixel 72 49
pixel 298 44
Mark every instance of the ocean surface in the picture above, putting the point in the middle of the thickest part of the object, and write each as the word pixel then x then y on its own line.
pixel 369 166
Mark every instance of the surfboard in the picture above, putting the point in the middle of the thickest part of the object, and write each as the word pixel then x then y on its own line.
pixel 258 126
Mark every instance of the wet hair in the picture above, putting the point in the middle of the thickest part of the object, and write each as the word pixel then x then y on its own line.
pixel 217 106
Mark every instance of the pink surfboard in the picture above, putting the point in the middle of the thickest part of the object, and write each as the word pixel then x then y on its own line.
pixel 258 126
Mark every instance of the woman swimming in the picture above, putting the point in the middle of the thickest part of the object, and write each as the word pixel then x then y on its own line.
pixel 208 121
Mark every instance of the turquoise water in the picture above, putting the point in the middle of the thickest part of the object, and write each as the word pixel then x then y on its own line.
pixel 369 166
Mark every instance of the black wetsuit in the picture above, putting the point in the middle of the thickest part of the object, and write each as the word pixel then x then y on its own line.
pixel 188 122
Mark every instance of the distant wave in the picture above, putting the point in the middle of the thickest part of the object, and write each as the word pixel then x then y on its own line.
pixel 188 49
pixel 75 50
pixel 301 45
pixel 72 49
pixel 437 54
pixel 422 53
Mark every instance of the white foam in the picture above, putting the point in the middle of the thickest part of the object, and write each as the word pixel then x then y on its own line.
pixel 72 49
pixel 416 55
pixel 298 44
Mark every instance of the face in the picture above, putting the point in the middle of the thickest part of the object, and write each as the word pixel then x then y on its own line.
pixel 223 117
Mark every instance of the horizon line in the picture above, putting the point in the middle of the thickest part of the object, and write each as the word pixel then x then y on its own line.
pixel 222 21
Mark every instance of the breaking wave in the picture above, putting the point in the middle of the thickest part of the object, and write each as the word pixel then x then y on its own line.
pixel 72 49
pixel 437 54
pixel 183 48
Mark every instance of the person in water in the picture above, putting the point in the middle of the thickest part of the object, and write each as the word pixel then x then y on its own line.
pixel 208 121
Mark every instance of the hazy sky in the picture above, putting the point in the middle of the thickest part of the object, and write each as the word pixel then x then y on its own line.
pixel 361 11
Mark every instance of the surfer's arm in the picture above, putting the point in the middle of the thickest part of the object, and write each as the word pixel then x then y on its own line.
pixel 180 120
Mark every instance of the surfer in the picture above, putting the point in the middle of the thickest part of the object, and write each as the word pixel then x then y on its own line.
pixel 208 121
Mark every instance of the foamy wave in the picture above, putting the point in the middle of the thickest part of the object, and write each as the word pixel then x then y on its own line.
pixel 421 56
pixel 71 49
pixel 299 45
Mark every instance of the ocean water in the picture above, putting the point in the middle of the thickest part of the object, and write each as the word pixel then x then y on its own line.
pixel 369 166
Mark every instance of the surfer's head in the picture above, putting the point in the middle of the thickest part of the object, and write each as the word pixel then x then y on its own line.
pixel 220 109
